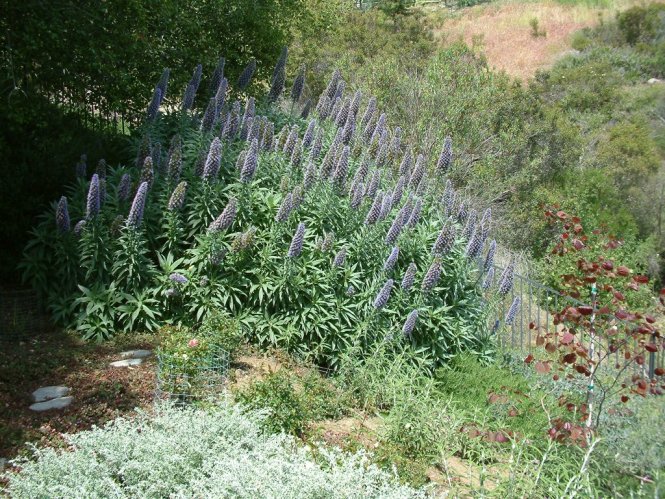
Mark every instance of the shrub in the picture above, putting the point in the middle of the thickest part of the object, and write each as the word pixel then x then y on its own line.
pixel 196 453
pixel 303 239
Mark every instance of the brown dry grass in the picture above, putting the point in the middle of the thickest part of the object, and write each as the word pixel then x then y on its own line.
pixel 502 31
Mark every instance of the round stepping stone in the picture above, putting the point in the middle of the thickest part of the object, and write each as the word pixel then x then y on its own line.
pixel 136 354
pixel 59 403
pixel 126 362
pixel 49 392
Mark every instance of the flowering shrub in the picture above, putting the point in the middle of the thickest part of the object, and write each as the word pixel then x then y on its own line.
pixel 300 227
pixel 195 453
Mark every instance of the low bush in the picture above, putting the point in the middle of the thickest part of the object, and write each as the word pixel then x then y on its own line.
pixel 196 453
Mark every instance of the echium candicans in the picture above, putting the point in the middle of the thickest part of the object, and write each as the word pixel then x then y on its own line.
pixel 407 162
pixel 328 161
pixel 298 86
pixel 124 187
pixel 296 155
pixel 418 172
pixel 382 154
pixel 486 222
pixel 445 240
pixel 246 127
pixel 240 160
pixel 188 97
pixel 290 143
pixel 462 212
pixel 101 169
pixel 332 84
pixel 339 91
pixel 284 209
pixel 153 107
pixel 409 277
pixel 298 194
pixel 196 77
pixel 255 132
pixel 250 109
pixel 310 175
pixel 342 168
pixel 448 198
pixel 213 161
pixel 398 191
pixel 234 124
pixel 306 108
pixel 475 244
pixel 375 209
pixel 386 206
pixel 470 225
pixel 295 248
pixel 349 129
pixel 512 311
pixel 225 129
pixel 78 228
pixel 432 276
pixel 93 203
pixel 177 199
pixel 278 76
pixel 368 115
pixel 414 218
pixel 328 241
pixel 308 138
pixel 226 218
pixel 220 95
pixel 138 206
pixel 246 76
pixel 251 162
pixel 357 196
pixel 383 295
pixel 267 138
pixel 340 258
pixel 178 278
pixel 217 75
pixel 373 185
pixel 334 110
pixel 343 112
pixel 148 171
pixel 362 170
pixel 404 212
pixel 410 323
pixel 208 119
pixel 318 144
pixel 489 279
pixel 163 83
pixel 446 156
pixel 82 166
pixel 391 260
pixel 355 103
pixel 62 219
pixel 324 108
pixel 489 257
pixel 506 279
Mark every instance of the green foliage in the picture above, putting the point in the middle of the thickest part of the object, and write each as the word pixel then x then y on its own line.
pixel 642 23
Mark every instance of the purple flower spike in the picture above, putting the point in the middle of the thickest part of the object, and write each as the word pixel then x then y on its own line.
pixel 251 162
pixel 368 116
pixel 383 295
pixel 308 138
pixel 177 199
pixel 409 277
pixel 213 161
pixel 208 119
pixel 391 260
pixel 298 86
pixel 178 278
pixel 444 241
pixel 188 97
pixel 506 280
pixel 79 227
pixel 124 187
pixel 284 209
pixel 414 218
pixel 296 243
pixel 278 76
pixel 228 215
pixel 512 311
pixel 410 324
pixel 446 156
pixel 310 175
pixel 489 279
pixel 340 257
pixel 395 229
pixel 418 172
pixel 342 169
pixel 138 205
pixel 153 108
pixel 432 276
pixel 62 219
pixel 246 75
pixel 375 210
pixel 92 205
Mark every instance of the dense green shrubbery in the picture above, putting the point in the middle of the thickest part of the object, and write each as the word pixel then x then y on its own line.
pixel 196 453
pixel 313 238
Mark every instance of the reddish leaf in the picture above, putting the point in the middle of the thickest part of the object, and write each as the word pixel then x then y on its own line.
pixel 642 279
pixel 578 245
pixel 624 399
pixel 650 347
pixel 550 348
pixel 639 360
pixel 582 370
pixel 608 265
pixel 623 271
pixel 659 371
pixel 577 228
pixel 542 367
pixel 532 325
pixel 562 215
pixel 529 359
pixel 585 310
pixel 569 358
pixel 621 315
pixel 555 377
pixel 540 341
pixel 567 338
pixel 619 296
pixel 650 319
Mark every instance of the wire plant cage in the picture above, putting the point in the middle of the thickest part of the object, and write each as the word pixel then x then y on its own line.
pixel 184 380
pixel 21 315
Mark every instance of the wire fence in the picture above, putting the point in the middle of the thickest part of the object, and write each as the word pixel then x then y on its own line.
pixel 22 315
pixel 539 303
pixel 185 380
